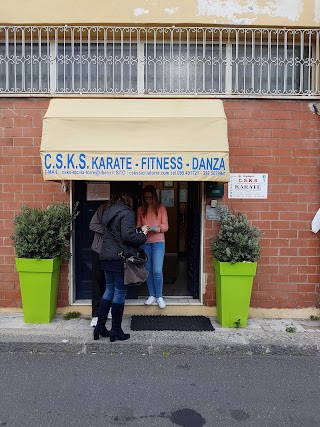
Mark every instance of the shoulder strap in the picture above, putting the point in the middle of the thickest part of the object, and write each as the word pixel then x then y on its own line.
pixel 115 238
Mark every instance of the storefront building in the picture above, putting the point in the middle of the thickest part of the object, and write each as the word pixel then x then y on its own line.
pixel 205 101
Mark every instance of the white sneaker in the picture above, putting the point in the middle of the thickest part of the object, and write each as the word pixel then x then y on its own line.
pixel 94 322
pixel 161 302
pixel 150 301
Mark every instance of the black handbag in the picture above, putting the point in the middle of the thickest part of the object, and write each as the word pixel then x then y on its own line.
pixel 135 272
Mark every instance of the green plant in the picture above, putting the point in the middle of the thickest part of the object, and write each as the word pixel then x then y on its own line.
pixel 291 329
pixel 238 323
pixel 237 240
pixel 72 315
pixel 313 317
pixel 43 234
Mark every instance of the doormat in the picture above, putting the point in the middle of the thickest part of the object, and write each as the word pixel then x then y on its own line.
pixel 171 323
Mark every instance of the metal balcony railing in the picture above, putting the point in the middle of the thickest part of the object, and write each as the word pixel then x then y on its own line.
pixel 207 61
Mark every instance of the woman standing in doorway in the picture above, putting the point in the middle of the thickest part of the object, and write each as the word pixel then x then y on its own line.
pixel 153 214
pixel 120 239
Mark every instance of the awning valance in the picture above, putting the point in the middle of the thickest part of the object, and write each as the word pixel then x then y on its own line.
pixel 135 139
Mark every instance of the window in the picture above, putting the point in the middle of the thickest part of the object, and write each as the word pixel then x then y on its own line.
pixel 97 67
pixel 182 68
pixel 274 69
pixel 24 67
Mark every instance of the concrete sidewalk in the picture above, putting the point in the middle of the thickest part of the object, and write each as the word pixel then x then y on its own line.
pixel 261 337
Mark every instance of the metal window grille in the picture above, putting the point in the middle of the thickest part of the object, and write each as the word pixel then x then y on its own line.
pixel 250 62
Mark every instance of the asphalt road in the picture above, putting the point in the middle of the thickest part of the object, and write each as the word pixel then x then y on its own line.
pixel 98 390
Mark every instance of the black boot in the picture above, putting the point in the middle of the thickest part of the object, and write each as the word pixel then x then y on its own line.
pixel 101 329
pixel 116 333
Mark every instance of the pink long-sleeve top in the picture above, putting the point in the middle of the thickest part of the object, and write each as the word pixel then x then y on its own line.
pixel 151 219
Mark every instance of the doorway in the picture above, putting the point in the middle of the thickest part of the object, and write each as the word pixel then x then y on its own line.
pixel 181 268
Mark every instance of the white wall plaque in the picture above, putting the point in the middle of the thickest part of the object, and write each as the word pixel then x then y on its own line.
pixel 248 186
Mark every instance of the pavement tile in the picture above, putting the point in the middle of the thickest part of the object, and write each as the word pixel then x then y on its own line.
pixel 260 337
pixel 266 327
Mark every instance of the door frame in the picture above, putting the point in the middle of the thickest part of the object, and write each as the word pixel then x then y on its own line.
pixel 202 232
pixel 72 285
pixel 72 264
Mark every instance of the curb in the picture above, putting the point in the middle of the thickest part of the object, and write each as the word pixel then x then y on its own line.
pixel 165 350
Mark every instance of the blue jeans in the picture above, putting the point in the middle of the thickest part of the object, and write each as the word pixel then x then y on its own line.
pixel 155 252
pixel 115 287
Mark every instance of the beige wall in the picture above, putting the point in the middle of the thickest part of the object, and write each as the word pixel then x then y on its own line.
pixel 288 13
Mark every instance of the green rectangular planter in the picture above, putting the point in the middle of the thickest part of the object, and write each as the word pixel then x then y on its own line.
pixel 233 291
pixel 39 279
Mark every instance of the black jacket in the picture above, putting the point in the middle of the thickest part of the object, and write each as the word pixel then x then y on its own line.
pixel 119 221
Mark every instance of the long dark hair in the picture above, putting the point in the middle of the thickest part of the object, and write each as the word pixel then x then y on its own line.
pixel 121 197
pixel 155 201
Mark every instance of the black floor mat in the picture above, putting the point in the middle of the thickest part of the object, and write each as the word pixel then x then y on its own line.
pixel 171 323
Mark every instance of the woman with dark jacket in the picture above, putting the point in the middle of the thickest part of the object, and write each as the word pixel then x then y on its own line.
pixel 120 236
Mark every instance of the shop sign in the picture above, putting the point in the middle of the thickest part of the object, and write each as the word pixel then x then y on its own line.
pixel 186 166
pixel 248 186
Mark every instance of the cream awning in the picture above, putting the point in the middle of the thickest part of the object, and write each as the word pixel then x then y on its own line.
pixel 135 139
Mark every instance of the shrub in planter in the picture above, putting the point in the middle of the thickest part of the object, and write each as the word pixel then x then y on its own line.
pixel 235 252
pixel 237 240
pixel 41 241
pixel 43 234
